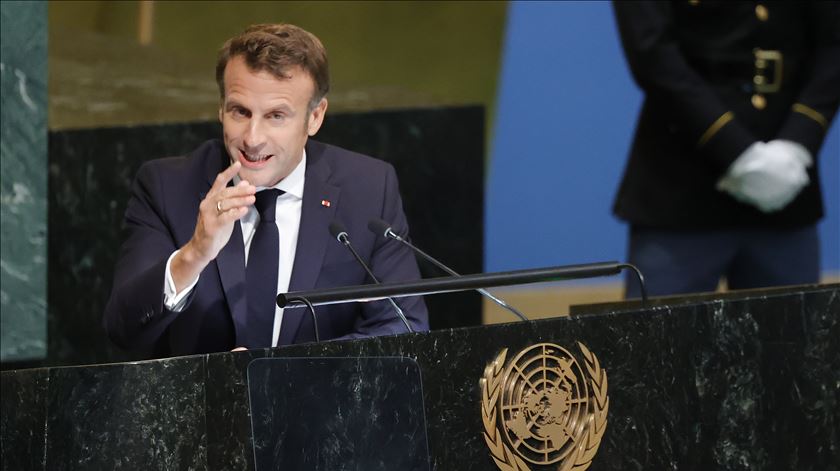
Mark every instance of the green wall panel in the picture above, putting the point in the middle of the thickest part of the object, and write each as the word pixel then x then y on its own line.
pixel 23 179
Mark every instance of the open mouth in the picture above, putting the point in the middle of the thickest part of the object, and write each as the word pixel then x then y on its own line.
pixel 255 158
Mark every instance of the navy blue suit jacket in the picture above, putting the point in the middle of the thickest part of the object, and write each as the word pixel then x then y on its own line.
pixel 161 217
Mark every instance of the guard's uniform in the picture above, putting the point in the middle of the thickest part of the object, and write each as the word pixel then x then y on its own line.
pixel 717 77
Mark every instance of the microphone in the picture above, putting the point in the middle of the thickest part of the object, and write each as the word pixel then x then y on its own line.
pixel 378 226
pixel 340 233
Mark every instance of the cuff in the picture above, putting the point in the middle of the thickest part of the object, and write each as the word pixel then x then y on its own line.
pixel 724 140
pixel 174 301
pixel 806 126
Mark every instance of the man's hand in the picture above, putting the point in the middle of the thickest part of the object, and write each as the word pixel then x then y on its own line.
pixel 768 175
pixel 217 213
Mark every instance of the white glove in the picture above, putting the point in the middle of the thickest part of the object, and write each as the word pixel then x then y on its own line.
pixel 795 149
pixel 768 175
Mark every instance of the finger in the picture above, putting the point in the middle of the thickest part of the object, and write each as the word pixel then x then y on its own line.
pixel 237 202
pixel 225 176
pixel 237 191
pixel 233 197
pixel 232 215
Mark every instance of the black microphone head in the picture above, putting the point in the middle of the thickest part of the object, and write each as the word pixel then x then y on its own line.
pixel 379 227
pixel 337 229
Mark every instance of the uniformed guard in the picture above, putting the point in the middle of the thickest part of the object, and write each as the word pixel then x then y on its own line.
pixel 721 179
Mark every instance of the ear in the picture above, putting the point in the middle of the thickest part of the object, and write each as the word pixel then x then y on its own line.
pixel 221 112
pixel 316 117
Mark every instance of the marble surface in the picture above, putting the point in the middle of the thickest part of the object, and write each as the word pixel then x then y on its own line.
pixel 23 181
pixel 23 409
pixel 745 383
pixel 326 413
pixel 154 412
pixel 438 155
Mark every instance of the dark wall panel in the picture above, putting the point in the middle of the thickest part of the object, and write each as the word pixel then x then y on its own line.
pixel 438 155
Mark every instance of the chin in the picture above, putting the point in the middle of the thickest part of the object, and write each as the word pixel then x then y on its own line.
pixel 257 178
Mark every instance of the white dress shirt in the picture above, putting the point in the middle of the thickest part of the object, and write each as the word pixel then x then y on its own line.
pixel 287 218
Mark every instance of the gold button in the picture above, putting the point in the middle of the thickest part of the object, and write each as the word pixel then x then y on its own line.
pixel 758 79
pixel 761 13
pixel 759 102
pixel 694 3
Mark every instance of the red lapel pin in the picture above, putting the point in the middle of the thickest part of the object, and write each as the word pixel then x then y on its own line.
pixel 325 203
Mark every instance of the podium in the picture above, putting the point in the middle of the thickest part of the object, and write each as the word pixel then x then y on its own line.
pixel 745 380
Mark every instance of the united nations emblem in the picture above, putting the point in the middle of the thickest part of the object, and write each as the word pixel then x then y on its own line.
pixel 544 408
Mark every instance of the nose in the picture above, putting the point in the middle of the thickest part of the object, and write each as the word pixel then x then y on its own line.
pixel 254 138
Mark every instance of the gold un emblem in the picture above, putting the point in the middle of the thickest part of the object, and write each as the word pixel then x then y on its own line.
pixel 544 408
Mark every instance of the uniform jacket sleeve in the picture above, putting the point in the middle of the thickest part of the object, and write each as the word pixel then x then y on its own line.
pixel 817 103
pixel 661 70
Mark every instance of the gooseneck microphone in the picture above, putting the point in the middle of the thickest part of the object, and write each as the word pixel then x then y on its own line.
pixel 380 227
pixel 340 233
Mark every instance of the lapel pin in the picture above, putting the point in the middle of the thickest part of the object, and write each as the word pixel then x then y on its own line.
pixel 325 203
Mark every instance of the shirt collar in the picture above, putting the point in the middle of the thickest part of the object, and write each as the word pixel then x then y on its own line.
pixel 293 183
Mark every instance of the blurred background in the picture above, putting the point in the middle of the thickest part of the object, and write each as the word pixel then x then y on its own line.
pixel 531 104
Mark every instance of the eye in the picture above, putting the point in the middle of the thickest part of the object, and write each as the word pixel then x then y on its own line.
pixel 238 111
pixel 277 116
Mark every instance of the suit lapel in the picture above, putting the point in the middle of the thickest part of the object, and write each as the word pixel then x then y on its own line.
pixel 313 235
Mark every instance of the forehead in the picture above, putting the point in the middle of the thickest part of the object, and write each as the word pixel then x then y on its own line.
pixel 243 82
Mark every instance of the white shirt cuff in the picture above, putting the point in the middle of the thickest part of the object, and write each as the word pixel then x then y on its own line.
pixel 175 301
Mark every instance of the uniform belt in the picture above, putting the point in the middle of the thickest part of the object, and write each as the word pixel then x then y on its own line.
pixel 762 73
pixel 769 67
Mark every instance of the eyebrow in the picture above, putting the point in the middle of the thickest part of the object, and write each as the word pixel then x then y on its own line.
pixel 279 108
pixel 234 104
pixel 284 108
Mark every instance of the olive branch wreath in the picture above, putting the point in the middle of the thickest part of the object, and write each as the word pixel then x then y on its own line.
pixel 581 456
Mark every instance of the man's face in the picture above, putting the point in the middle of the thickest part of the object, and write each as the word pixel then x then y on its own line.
pixel 266 120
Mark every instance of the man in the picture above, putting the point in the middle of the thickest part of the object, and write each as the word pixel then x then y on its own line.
pixel 215 235
pixel 721 179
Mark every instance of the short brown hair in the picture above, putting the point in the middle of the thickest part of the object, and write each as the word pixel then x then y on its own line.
pixel 274 48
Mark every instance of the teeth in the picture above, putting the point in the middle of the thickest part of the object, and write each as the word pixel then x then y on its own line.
pixel 255 158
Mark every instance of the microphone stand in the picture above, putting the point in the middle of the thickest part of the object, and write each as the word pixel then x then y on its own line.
pixel 311 312
pixel 437 263
pixel 337 231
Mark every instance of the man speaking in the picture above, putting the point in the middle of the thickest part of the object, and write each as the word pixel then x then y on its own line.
pixel 213 236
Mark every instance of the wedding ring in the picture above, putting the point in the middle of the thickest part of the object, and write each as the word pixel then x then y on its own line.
pixel 219 207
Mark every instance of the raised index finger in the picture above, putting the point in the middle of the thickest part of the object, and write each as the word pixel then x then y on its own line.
pixel 225 176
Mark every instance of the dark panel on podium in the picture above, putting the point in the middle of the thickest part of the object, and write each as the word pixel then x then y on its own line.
pixel 337 414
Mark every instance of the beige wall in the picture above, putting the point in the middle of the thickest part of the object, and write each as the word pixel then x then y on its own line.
pixel 540 301
pixel 382 54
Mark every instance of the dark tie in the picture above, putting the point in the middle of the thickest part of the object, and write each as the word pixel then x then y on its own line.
pixel 261 272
